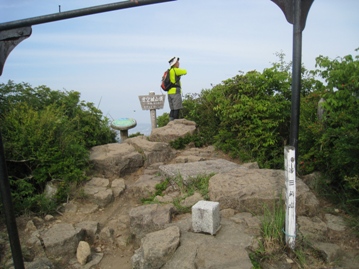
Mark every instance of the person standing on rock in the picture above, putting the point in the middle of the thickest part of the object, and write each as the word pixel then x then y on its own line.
pixel 175 93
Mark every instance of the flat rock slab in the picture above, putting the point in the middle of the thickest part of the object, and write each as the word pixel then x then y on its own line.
pixel 191 170
pixel 173 130
pixel 114 160
pixel 225 250
pixel 154 152
pixel 248 190
pixel 335 223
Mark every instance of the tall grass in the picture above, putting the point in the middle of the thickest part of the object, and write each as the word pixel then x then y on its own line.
pixel 272 226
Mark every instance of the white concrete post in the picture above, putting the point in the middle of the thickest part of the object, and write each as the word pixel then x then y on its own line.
pixel 290 184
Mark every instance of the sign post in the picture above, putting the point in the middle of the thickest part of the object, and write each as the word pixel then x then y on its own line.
pixel 152 102
pixel 290 184
pixel 296 12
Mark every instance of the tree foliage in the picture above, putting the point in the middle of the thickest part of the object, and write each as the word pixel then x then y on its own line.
pixel 248 116
pixel 331 145
pixel 47 135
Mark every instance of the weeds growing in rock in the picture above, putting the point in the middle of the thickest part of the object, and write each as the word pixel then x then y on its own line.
pixel 197 184
pixel 272 248
pixel 272 240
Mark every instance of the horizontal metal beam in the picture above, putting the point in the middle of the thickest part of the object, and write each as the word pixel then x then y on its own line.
pixel 77 13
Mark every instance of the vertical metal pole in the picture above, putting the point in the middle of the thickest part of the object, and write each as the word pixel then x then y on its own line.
pixel 8 211
pixel 296 76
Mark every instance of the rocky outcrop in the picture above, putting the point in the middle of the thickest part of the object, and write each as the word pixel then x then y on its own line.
pixel 173 130
pixel 247 190
pixel 115 160
pixel 61 241
pixel 225 250
pixel 190 170
pixel 155 235
pixel 119 159
pixel 149 218
pixel 152 152
pixel 156 248
pixel 102 191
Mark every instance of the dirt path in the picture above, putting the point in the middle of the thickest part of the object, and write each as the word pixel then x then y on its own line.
pixel 116 256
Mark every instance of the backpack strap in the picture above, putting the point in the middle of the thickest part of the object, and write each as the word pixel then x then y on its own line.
pixel 176 82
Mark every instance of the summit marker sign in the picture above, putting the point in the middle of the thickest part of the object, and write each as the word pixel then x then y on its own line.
pixel 152 101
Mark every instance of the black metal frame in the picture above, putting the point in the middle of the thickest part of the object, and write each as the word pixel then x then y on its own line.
pixel 12 33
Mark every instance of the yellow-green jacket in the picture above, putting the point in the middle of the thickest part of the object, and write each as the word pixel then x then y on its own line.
pixel 175 78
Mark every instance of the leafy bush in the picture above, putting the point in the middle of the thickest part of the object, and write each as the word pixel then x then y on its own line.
pixel 46 137
pixel 199 108
pixel 162 120
pixel 246 116
pixel 331 145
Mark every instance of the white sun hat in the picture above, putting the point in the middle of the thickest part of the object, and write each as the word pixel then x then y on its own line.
pixel 173 61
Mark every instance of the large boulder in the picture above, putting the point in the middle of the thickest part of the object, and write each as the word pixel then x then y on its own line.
pixel 156 248
pixel 114 160
pixel 154 152
pixel 102 191
pixel 225 250
pixel 99 191
pixel 194 169
pixel 173 130
pixel 61 241
pixel 248 190
pixel 149 218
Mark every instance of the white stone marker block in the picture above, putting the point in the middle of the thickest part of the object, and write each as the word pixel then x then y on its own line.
pixel 206 217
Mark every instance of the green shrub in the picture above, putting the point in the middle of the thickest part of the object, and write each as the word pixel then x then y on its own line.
pixel 331 145
pixel 163 120
pixel 182 142
pixel 47 135
pixel 246 116
pixel 199 108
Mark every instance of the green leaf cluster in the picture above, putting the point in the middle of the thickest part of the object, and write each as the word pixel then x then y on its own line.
pixel 331 144
pixel 248 116
pixel 47 136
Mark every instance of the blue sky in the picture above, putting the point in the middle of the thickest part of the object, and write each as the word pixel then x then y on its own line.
pixel 111 58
